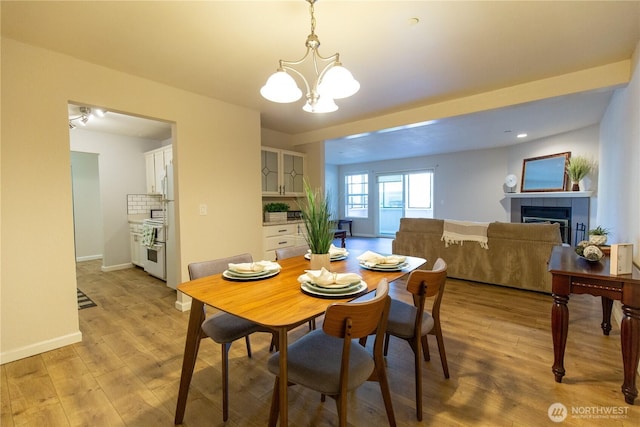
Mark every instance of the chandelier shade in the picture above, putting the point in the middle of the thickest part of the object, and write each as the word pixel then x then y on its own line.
pixel 330 80
pixel 281 87
pixel 338 82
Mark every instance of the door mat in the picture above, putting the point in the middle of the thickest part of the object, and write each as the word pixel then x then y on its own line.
pixel 84 301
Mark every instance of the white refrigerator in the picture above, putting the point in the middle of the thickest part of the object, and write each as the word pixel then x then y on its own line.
pixel 170 228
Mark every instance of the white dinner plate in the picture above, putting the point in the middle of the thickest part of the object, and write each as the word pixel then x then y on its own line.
pixel 385 267
pixel 231 275
pixel 331 293
pixel 335 289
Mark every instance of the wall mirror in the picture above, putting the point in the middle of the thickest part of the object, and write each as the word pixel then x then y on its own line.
pixel 545 173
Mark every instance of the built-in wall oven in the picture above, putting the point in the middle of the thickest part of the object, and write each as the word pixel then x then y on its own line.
pixel 155 259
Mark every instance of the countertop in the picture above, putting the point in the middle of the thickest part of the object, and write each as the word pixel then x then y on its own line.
pixel 291 221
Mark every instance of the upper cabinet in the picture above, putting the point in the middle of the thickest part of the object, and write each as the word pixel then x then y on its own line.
pixel 282 172
pixel 156 162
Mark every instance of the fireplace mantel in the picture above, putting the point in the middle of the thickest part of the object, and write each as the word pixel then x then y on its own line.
pixel 548 194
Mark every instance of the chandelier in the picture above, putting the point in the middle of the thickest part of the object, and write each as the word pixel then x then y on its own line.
pixel 85 114
pixel 330 80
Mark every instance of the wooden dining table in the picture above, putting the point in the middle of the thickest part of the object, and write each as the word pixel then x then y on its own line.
pixel 277 303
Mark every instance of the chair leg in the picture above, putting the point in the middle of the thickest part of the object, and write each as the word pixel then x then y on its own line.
pixel 418 377
pixel 341 403
pixel 275 404
pixel 425 348
pixel 386 394
pixel 246 339
pixel 386 344
pixel 274 342
pixel 443 354
pixel 312 324
pixel 225 380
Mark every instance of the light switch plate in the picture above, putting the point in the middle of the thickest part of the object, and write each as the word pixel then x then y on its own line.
pixel 203 209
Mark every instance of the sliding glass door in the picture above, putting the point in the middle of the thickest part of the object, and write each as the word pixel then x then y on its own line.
pixel 404 194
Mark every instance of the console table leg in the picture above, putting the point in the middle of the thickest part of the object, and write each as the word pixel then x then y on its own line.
pixel 630 343
pixel 559 328
pixel 607 303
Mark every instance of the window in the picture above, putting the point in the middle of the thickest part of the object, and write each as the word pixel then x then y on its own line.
pixel 357 195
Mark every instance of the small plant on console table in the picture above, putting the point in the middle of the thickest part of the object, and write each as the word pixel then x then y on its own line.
pixel 598 235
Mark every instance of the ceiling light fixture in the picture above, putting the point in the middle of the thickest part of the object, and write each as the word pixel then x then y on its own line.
pixel 85 115
pixel 329 82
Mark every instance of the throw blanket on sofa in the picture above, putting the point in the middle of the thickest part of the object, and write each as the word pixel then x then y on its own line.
pixel 456 232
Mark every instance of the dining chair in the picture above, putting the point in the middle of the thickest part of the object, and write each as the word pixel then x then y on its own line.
pixel 290 252
pixel 330 361
pixel 412 323
pixel 225 328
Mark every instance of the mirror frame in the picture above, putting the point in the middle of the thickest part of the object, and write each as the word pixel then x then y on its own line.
pixel 552 167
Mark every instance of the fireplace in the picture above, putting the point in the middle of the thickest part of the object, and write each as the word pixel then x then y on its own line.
pixel 561 215
pixel 570 209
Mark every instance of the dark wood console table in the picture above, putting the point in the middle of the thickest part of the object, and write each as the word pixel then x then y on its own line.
pixel 574 275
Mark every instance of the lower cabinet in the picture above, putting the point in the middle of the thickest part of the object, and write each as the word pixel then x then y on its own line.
pixel 281 236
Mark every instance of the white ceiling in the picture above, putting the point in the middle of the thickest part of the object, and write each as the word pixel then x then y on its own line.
pixel 227 49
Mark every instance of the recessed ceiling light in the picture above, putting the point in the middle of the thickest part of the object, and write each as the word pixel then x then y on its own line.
pixel 522 135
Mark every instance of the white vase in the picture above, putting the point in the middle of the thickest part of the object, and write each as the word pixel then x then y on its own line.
pixel 320 260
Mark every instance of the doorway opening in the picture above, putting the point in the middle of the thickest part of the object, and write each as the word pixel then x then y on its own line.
pixel 111 150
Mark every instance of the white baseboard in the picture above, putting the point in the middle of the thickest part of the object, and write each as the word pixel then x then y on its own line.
pixel 182 305
pixel 88 258
pixel 40 347
pixel 116 267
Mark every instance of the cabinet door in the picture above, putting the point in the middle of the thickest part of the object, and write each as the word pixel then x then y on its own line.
pixel 270 172
pixel 293 173
pixel 158 164
pixel 168 156
pixel 151 173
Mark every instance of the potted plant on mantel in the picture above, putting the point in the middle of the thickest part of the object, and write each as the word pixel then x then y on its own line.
pixel 275 212
pixel 577 168
pixel 318 225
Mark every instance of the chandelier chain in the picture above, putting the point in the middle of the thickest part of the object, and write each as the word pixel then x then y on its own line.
pixel 313 17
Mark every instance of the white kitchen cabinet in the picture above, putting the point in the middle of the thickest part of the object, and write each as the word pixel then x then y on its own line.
pixel 137 257
pixel 282 172
pixel 281 236
pixel 156 161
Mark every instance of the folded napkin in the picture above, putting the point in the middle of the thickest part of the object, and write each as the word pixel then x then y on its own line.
pixel 371 259
pixel 254 267
pixel 335 251
pixel 327 279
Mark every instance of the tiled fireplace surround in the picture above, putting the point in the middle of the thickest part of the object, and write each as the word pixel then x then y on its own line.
pixel 579 210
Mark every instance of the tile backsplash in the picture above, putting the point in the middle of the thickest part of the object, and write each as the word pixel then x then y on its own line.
pixel 143 203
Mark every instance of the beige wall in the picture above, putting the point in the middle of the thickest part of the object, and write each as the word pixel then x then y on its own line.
pixel 216 153
pixel 619 198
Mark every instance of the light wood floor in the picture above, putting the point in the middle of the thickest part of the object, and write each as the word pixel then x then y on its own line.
pixel 127 368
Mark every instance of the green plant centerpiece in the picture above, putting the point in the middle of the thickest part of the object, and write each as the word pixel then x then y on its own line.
pixel 577 168
pixel 275 211
pixel 598 235
pixel 316 215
